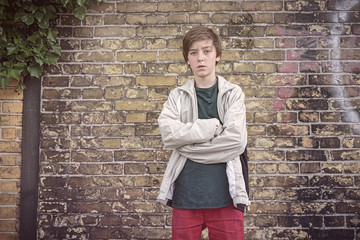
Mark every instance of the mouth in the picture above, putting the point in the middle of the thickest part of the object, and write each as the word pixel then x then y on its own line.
pixel 201 66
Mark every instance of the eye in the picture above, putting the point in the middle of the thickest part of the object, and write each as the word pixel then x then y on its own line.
pixel 193 53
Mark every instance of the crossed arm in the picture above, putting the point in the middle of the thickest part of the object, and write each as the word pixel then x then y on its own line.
pixel 205 140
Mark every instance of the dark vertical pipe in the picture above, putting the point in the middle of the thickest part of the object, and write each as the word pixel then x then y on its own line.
pixel 30 160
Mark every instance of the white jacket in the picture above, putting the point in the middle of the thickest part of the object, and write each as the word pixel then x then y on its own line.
pixel 204 140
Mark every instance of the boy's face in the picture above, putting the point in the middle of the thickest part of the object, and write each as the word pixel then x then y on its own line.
pixel 202 59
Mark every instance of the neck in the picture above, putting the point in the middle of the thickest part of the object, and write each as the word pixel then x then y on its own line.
pixel 205 82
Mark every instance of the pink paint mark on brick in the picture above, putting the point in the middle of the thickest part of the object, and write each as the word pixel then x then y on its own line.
pixel 348 80
pixel 280 31
pixel 295 55
pixel 279 104
pixel 284 93
pixel 352 91
pixel 356 29
pixel 347 54
pixel 289 129
pixel 287 43
pixel 309 67
pixel 289 67
pixel 290 32
pixel 352 41
pixel 352 67
pixel 252 5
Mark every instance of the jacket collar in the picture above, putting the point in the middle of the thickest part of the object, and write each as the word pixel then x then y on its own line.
pixel 223 85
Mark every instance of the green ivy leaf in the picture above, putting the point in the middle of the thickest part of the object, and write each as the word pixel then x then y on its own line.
pixel 65 3
pixel 80 2
pixel 12 50
pixel 18 41
pixel 44 24
pixel 50 12
pixel 51 58
pixel 39 60
pixel 80 12
pixel 56 48
pixel 35 71
pixel 42 9
pixel 8 64
pixel 34 38
pixel 33 9
pixel 21 85
pixel 14 73
pixel 28 19
pixel 20 65
pixel 17 16
pixel 42 32
pixel 5 81
pixel 51 35
pixel 2 72
pixel 39 16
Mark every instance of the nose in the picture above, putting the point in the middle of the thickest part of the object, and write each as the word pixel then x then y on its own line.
pixel 201 57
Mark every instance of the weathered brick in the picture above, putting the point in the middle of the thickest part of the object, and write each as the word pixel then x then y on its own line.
pixel 171 56
pixel 332 168
pixel 199 18
pixel 287 130
pixel 345 154
pixel 264 55
pixel 93 20
pixel 135 105
pixel 325 130
pixel 148 31
pixel 134 7
pixel 112 81
pixel 136 117
pixel 156 81
pixel 219 6
pixel 156 19
pixel 94 57
pixel 83 32
pixel 90 44
pixel 307 155
pixel 133 44
pixel 102 8
pixel 263 6
pixel 243 31
pixel 133 155
pixel 136 19
pixel 287 31
pixel 112 44
pixel 91 156
pixel 112 131
pixel 136 56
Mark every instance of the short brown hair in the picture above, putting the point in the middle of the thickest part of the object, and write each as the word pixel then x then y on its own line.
pixel 200 33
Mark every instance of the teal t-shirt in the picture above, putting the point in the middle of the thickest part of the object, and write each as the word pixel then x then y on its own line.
pixel 203 185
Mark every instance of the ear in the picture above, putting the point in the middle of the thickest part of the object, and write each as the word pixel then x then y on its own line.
pixel 218 59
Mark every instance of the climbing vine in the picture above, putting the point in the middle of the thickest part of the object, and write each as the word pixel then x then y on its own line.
pixel 28 36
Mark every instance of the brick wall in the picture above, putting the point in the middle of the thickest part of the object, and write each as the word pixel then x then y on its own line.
pixel 101 156
pixel 10 160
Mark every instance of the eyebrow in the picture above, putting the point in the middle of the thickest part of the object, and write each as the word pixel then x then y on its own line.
pixel 194 49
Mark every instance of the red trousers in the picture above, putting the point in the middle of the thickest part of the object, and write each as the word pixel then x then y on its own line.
pixel 223 223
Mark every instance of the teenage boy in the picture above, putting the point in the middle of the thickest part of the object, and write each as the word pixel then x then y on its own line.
pixel 204 123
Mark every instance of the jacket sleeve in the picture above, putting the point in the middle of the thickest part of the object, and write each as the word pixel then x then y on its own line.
pixel 230 143
pixel 176 134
